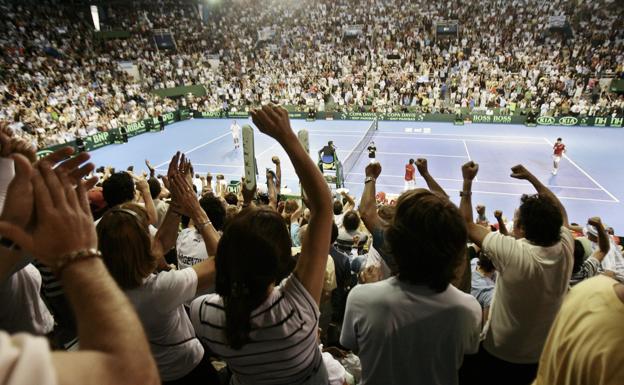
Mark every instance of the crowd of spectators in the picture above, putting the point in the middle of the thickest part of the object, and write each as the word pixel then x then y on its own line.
pixel 59 80
pixel 174 278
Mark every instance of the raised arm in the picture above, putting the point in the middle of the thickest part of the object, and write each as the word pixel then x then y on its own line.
pixel 368 203
pixel 113 346
pixel 604 244
pixel 310 269
pixel 423 170
pixel 476 233
pixel 350 202
pixel 278 173
pixel 143 187
pixel 520 172
pixel 272 190
pixel 502 228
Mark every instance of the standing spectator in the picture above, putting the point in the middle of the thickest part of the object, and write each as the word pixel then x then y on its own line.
pixel 416 327
pixel 584 345
pixel 533 275
pixel 239 322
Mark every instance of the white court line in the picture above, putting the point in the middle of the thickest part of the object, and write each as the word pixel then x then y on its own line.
pixel 492 182
pixel 312 132
pixel 469 157
pixel 267 150
pixel 197 147
pixel 217 165
pixel 415 154
pixel 585 173
pixel 423 137
pixel 492 193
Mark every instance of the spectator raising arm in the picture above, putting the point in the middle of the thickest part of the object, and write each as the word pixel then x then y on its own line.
pixel 520 172
pixel 502 228
pixel 113 346
pixel 423 170
pixel 143 187
pixel 350 202
pixel 476 233
pixel 368 203
pixel 310 269
pixel 604 244
pixel 278 173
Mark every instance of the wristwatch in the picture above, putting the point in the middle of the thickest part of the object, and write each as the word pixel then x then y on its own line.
pixel 465 193
pixel 369 179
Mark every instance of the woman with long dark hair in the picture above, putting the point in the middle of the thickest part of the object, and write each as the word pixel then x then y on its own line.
pixel 264 329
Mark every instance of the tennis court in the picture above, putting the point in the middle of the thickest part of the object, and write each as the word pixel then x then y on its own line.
pixel 589 181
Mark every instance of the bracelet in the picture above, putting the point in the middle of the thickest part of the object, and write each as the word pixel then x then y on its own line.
pixel 369 179
pixel 200 226
pixel 76 256
pixel 465 193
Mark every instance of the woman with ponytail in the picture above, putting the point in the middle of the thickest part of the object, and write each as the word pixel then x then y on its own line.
pixel 263 326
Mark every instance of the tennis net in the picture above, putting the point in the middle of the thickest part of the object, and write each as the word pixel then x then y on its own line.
pixel 353 156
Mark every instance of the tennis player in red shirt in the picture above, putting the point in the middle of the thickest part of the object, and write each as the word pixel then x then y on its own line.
pixel 558 151
pixel 410 170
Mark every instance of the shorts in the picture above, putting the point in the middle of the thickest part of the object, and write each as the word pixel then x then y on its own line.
pixel 557 158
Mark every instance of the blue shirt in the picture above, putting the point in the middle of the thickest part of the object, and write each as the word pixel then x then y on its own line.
pixel 482 286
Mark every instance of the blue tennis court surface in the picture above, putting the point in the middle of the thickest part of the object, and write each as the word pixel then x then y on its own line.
pixel 589 182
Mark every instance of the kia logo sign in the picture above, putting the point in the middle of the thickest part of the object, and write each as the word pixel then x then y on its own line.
pixel 568 121
pixel 546 120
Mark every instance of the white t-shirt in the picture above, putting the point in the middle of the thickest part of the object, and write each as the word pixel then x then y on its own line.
pixel 25 359
pixel 532 282
pixel 22 308
pixel 406 334
pixel 159 303
pixel 235 130
pixel 284 330
pixel 191 248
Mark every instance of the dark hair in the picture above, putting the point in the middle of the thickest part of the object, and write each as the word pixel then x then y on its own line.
pixel 154 186
pixel 334 233
pixel 427 237
pixel 351 220
pixel 411 161
pixel 559 139
pixel 231 199
pixel 540 219
pixel 485 263
pixel 579 256
pixel 118 189
pixel 214 209
pixel 337 207
pixel 125 243
pixel 253 253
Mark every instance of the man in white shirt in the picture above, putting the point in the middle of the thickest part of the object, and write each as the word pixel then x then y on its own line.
pixel 235 134
pixel 533 274
pixel 416 327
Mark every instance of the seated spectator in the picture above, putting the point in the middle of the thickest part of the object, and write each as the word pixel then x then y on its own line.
pixel 239 322
pixel 416 327
pixel 584 345
pixel 613 259
pixel 532 279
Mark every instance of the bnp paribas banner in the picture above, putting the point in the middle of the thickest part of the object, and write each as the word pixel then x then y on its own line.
pixel 596 121
pixel 395 116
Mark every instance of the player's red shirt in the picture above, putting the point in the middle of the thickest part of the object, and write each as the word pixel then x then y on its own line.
pixel 409 172
pixel 559 148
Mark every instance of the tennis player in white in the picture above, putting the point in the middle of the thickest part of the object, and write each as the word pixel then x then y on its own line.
pixel 235 134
